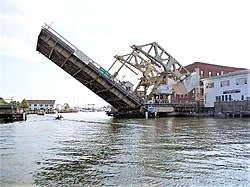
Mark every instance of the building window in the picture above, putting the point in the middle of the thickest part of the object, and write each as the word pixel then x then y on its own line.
pixel 202 91
pixel 46 105
pixel 41 105
pixel 225 97
pixel 218 98
pixel 209 74
pixel 241 81
pixel 222 98
pixel 230 97
pixel 217 74
pixel 224 83
pixel 35 104
pixel 242 97
pixel 202 73
pixel 210 85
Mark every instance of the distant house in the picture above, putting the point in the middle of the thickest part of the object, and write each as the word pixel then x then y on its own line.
pixel 36 105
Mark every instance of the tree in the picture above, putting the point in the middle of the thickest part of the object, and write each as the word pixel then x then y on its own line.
pixel 66 107
pixel 2 102
pixel 25 104
pixel 18 104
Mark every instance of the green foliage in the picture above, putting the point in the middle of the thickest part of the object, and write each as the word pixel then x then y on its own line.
pixel 3 102
pixel 18 104
pixel 66 107
pixel 24 104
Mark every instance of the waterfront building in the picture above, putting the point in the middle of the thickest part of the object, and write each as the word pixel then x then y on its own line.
pixel 205 70
pixel 234 86
pixel 38 105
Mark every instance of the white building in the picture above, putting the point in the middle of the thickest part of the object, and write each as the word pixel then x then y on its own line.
pixel 36 105
pixel 234 86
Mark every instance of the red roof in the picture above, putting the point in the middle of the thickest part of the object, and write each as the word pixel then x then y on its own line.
pixel 202 64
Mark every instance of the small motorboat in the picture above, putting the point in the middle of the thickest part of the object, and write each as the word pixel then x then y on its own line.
pixel 59 117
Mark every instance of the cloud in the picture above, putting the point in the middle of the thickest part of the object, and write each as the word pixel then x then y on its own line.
pixel 20 25
pixel 16 47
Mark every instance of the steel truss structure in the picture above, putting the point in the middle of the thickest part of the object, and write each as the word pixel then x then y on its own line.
pixel 156 65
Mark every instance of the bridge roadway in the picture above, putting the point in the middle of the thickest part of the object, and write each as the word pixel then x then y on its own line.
pixel 65 55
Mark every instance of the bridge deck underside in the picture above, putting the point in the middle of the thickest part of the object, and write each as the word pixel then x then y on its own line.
pixel 88 74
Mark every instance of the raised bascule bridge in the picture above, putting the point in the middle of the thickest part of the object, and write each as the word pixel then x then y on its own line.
pixel 159 74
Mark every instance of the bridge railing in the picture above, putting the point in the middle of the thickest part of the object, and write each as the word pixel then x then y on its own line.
pixel 46 26
pixel 77 52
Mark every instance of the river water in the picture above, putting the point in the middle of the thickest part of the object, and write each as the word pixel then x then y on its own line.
pixel 92 149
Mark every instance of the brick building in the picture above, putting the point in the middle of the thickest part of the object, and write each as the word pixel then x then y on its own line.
pixel 205 71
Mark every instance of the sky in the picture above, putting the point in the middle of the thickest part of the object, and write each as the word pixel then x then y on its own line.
pixel 210 31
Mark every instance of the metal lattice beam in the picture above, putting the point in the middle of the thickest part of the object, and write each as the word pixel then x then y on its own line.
pixel 161 57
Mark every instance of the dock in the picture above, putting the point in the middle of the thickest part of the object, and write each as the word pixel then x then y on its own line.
pixel 7 114
pixel 233 108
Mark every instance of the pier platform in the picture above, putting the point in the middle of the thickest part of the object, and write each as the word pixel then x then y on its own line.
pixel 233 108
pixel 7 114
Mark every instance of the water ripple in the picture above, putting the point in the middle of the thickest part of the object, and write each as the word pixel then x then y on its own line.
pixel 90 151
